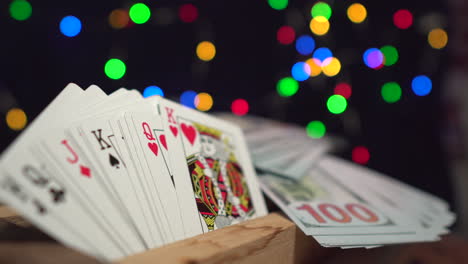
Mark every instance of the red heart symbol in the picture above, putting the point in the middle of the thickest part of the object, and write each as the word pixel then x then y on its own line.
pixel 189 132
pixel 174 130
pixel 162 138
pixel 154 148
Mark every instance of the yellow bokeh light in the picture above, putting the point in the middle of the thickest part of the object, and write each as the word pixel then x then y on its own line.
pixel 357 13
pixel 319 25
pixel 119 18
pixel 203 101
pixel 437 38
pixel 16 119
pixel 206 51
pixel 314 66
pixel 331 66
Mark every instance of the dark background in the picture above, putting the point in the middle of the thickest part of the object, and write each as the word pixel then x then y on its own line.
pixel 37 61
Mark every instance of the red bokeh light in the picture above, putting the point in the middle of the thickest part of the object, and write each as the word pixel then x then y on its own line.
pixel 240 107
pixel 360 154
pixel 286 35
pixel 403 19
pixel 343 89
pixel 188 13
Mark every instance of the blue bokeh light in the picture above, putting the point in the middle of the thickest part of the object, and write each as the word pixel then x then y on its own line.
pixel 152 90
pixel 300 71
pixel 187 98
pixel 322 54
pixel 373 58
pixel 70 26
pixel 421 85
pixel 305 45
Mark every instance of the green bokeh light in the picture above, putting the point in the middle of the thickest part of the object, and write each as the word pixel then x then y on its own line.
pixel 20 10
pixel 139 13
pixel 115 69
pixel 390 55
pixel 278 4
pixel 316 129
pixel 336 104
pixel 391 92
pixel 287 87
pixel 321 9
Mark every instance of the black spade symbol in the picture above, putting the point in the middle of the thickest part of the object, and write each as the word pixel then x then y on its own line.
pixel 114 162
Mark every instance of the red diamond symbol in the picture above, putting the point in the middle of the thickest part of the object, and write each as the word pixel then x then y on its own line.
pixel 85 171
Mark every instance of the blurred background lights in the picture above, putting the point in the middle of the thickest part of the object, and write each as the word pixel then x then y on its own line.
pixel 316 129
pixel 336 104
pixel 206 51
pixel 305 45
pixel 360 155
pixel 315 68
pixel 119 18
pixel 152 90
pixel 321 9
pixel 319 25
pixel 115 69
pixel 287 87
pixel 373 58
pixel 240 107
pixel 139 13
pixel 16 119
pixel 391 92
pixel 187 98
pixel 300 71
pixel 437 38
pixel 421 85
pixel 204 101
pixel 343 89
pixel 286 35
pixel 322 53
pixel 390 55
pixel 331 66
pixel 70 26
pixel 188 13
pixel 357 13
pixel 20 10
pixel 278 4
pixel 403 19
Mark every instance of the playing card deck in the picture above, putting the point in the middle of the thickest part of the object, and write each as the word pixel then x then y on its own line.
pixel 119 174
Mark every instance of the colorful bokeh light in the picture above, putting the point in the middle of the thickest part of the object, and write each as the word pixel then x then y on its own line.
pixel 315 67
pixel 373 58
pixel 16 119
pixel 316 129
pixel 391 92
pixel 203 102
pixel 188 13
pixel 321 54
pixel 139 13
pixel 119 18
pixel 321 9
pixel 20 10
pixel 357 13
pixel 278 4
pixel 152 91
pixel 360 155
pixel 343 89
pixel 437 38
pixel 331 66
pixel 286 35
pixel 300 71
pixel 206 51
pixel 390 54
pixel 421 85
pixel 115 69
pixel 70 26
pixel 240 107
pixel 336 104
pixel 319 25
pixel 305 45
pixel 187 98
pixel 403 19
pixel 287 87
